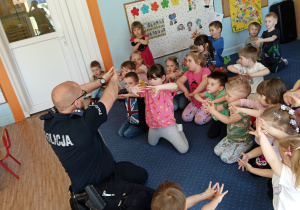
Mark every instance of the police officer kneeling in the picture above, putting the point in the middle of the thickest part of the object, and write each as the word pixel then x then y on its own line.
pixel 72 132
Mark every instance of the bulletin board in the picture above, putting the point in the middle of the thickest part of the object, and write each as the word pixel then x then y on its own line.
pixel 170 23
pixel 226 9
pixel 2 97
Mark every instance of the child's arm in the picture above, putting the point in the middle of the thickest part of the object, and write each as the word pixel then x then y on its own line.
pixel 216 200
pixel 235 110
pixel 202 85
pixel 220 100
pixel 169 86
pixel 260 73
pixel 258 171
pixel 172 75
pixel 261 40
pixel 223 118
pixel 296 86
pixel 144 41
pixel 140 71
pixel 199 97
pixel 208 194
pixel 180 82
pixel 292 98
pixel 268 151
pixel 232 69
pixel 135 47
pixel 276 133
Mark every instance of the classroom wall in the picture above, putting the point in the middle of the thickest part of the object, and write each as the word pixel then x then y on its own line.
pixel 117 33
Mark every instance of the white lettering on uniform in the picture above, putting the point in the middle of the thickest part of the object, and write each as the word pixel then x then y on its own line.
pixel 99 110
pixel 63 140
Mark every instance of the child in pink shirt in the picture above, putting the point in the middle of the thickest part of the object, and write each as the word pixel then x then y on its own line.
pixel 197 78
pixel 141 68
pixel 160 110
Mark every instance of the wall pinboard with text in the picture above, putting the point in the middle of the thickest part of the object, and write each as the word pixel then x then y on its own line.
pixel 170 23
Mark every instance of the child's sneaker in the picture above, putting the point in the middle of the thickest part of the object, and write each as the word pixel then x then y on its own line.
pixel 285 61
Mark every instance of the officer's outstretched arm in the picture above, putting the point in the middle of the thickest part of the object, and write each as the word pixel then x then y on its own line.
pixel 111 92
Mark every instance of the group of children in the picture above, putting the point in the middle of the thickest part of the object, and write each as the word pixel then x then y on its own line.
pixel 151 95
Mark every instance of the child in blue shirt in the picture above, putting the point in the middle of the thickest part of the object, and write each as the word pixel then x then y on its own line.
pixel 215 29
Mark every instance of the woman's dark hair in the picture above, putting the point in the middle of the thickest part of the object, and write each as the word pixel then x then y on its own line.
pixel 156 71
pixel 202 40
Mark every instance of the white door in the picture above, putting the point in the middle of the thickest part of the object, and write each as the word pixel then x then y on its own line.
pixel 50 56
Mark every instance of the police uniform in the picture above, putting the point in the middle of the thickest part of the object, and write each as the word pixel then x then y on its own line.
pixel 80 148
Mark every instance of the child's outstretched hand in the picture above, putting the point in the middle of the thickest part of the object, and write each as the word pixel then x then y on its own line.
pixel 233 110
pixel 244 164
pixel 220 194
pixel 211 191
pixel 245 158
pixel 209 106
pixel 154 89
pixel 258 41
pixel 136 90
pixel 195 34
pixel 292 98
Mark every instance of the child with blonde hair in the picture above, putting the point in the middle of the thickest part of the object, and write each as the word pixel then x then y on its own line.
pixel 141 68
pixel 172 75
pixel 238 139
pixel 197 79
pixel 139 41
pixel 254 29
pixel 270 40
pixel 170 196
pixel 286 177
pixel 279 117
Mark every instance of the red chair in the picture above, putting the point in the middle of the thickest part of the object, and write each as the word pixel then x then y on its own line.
pixel 5 151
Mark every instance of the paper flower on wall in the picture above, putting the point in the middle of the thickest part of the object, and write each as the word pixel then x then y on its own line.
pixel 145 9
pixel 135 11
pixel 154 6
pixel 165 4
pixel 175 2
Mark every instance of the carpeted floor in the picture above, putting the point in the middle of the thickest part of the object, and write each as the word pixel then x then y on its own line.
pixel 199 165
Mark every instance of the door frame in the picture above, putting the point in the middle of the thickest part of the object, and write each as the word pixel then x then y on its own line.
pixel 72 35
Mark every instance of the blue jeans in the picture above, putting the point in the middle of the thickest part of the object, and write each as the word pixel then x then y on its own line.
pixel 180 101
pixel 129 131
pixel 98 93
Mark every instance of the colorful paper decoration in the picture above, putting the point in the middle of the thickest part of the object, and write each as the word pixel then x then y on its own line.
pixel 165 4
pixel 135 12
pixel 154 6
pixel 145 9
pixel 244 12
pixel 190 5
pixel 175 2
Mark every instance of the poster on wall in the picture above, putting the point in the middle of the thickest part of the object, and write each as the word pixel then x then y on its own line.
pixel 244 12
pixel 170 23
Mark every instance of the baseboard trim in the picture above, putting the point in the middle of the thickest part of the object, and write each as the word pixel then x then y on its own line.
pixel 232 50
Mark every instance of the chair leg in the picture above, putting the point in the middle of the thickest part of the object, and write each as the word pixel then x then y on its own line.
pixel 14 159
pixel 9 170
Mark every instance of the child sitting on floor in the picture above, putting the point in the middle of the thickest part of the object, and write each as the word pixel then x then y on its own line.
pixel 141 68
pixel 215 91
pixel 135 108
pixel 179 101
pixel 238 139
pixel 159 109
pixel 170 196
pixel 128 66
pixel 98 73
pixel 197 78
pixel 249 68
pixel 286 177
